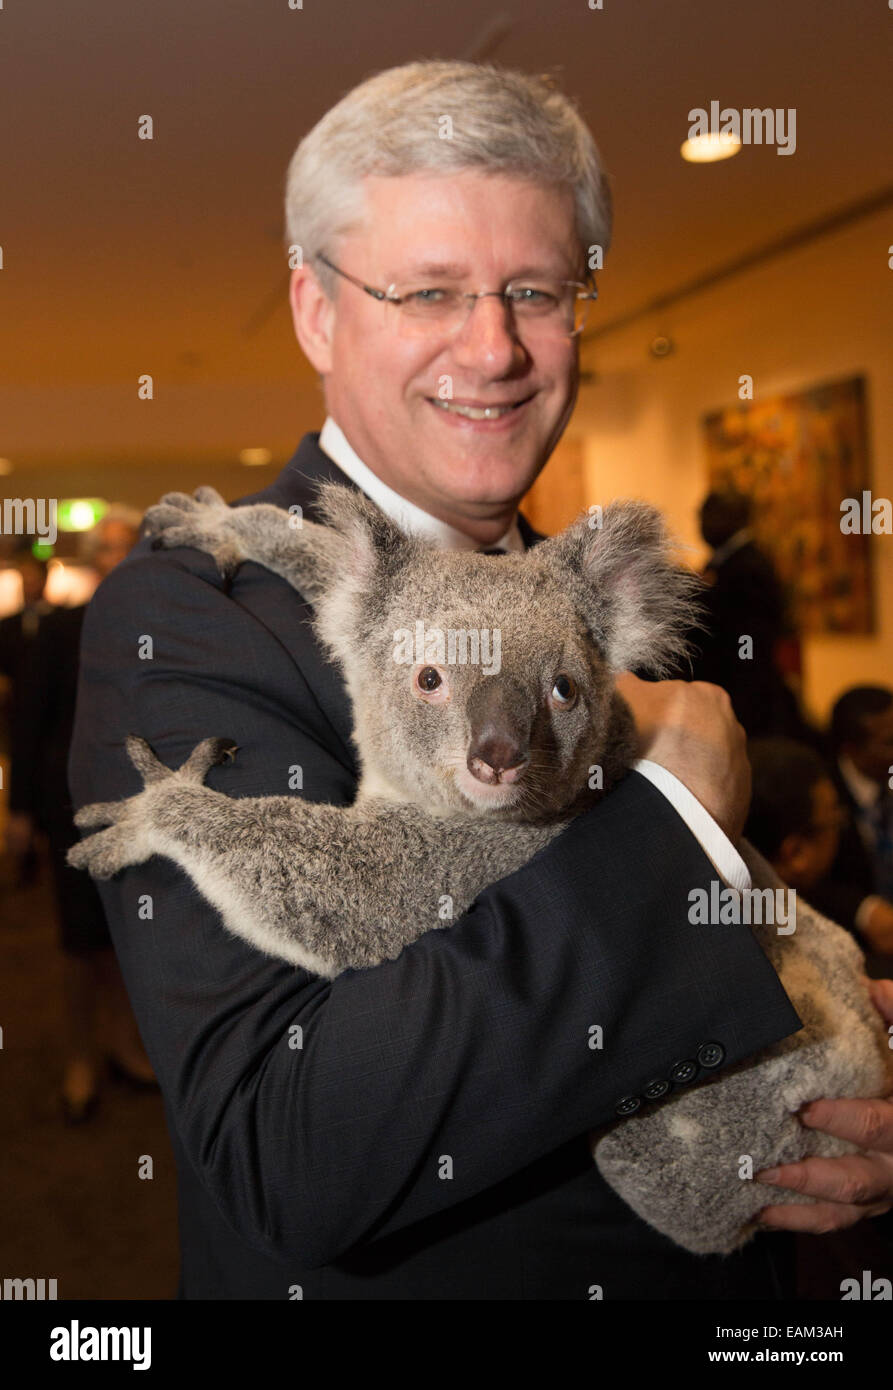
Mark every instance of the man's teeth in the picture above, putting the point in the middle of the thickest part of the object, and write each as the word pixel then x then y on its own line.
pixel 473 412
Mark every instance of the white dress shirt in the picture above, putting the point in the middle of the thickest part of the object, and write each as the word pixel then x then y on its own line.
pixel 715 843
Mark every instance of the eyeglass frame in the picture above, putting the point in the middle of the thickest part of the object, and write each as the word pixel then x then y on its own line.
pixel 387 297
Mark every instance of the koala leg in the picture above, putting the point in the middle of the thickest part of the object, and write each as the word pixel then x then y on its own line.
pixel 687 1166
pixel 327 888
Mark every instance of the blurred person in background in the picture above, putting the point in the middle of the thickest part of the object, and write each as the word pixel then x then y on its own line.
pixel 18 635
pixel 860 883
pixel 801 823
pixel 39 792
pixel 744 598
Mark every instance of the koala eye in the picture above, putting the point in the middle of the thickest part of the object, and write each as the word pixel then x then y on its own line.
pixel 430 685
pixel 564 692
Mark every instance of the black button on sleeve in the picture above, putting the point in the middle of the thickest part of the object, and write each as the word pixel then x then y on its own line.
pixel 711 1054
pixel 655 1089
pixel 683 1071
pixel 627 1106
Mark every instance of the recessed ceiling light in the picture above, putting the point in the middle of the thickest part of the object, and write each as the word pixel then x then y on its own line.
pixel 706 149
pixel 5 465
pixel 255 458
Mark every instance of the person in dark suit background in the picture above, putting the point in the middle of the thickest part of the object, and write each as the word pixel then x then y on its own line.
pixel 319 1169
pixel 800 820
pixel 39 796
pixel 743 600
pixel 858 889
pixel 18 634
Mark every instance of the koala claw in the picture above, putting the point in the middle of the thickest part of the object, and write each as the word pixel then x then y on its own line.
pixel 104 853
pixel 202 522
pixel 207 754
pixel 145 761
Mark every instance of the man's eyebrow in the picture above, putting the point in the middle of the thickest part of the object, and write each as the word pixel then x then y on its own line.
pixel 446 270
pixel 454 270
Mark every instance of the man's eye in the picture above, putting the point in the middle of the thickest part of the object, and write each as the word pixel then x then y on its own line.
pixel 428 299
pixel 532 297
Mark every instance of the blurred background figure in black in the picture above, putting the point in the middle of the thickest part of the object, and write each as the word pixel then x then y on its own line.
pixel 18 635
pixel 744 600
pixel 860 744
pixel 804 827
pixel 39 801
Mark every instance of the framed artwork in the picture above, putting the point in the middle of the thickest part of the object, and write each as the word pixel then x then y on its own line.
pixel 798 457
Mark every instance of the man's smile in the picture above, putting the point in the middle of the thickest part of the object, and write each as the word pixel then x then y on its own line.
pixel 480 411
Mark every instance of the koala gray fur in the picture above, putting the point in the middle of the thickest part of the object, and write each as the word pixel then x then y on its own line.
pixel 331 888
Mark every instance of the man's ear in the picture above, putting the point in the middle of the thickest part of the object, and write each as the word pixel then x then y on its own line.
pixel 637 603
pixel 313 315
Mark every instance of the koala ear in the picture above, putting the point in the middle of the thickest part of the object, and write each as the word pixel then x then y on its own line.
pixel 366 553
pixel 637 603
pixel 372 540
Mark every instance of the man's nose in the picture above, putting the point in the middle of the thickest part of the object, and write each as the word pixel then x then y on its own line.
pixel 488 341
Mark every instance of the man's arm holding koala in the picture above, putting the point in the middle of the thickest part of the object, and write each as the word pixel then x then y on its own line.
pixel 476 1043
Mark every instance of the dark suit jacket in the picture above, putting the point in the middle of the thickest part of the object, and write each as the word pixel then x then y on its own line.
pixel 321 1167
pixel 17 662
pixel 38 777
pixel 851 878
pixel 745 598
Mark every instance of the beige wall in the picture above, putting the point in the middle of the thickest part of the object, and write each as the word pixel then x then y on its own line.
pixel 816 314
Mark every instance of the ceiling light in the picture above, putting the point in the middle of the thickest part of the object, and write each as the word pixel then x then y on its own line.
pixel 255 458
pixel 706 149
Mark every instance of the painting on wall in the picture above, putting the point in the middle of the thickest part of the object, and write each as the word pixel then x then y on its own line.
pixel 798 457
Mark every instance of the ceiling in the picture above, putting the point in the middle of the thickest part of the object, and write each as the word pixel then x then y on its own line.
pixel 123 256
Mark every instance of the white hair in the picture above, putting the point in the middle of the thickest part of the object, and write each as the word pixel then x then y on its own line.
pixel 500 121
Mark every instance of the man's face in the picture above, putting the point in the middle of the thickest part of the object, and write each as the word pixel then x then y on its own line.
pixel 874 756
pixel 473 232
pixel 804 859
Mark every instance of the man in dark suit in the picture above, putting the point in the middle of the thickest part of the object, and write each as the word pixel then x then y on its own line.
pixel 858 889
pixel 18 636
pixel 744 619
pixel 417 1130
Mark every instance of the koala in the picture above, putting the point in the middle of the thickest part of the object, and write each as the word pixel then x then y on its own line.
pixel 485 719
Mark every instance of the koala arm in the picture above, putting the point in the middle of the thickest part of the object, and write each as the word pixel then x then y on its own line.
pixel 269 535
pixel 328 888
pixel 475 1042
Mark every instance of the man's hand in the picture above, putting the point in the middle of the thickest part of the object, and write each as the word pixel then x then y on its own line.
pixel 848 1188
pixel 689 727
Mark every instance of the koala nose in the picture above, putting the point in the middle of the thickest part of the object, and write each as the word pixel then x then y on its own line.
pixel 499 746
pixel 496 758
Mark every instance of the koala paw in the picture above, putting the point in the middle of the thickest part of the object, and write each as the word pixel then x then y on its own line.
pixel 203 521
pixel 128 838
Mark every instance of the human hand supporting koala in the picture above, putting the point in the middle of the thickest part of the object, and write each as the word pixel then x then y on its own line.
pixel 468 767
pixel 689 727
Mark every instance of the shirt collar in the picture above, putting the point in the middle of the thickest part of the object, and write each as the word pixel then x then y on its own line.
pixel 405 514
pixel 722 552
pixel 864 792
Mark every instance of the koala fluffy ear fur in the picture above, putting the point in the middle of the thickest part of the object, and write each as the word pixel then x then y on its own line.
pixel 637 604
pixel 361 552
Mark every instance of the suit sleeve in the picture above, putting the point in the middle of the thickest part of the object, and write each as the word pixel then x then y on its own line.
pixel 476 1046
